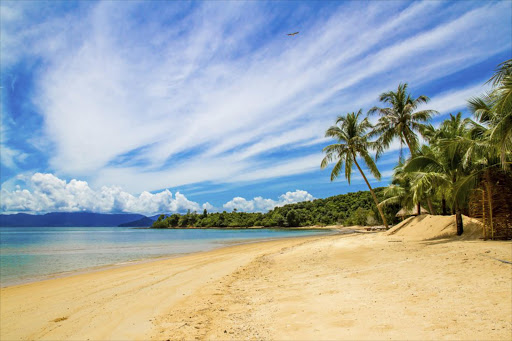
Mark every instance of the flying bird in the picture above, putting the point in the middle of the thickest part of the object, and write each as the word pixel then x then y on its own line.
pixel 292 34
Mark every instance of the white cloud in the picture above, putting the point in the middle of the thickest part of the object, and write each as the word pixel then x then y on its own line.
pixel 259 204
pixel 48 193
pixel 9 157
pixel 207 206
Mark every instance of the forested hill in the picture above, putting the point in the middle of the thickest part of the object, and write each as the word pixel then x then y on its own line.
pixel 357 208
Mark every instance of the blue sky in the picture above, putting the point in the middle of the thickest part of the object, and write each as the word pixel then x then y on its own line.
pixel 157 106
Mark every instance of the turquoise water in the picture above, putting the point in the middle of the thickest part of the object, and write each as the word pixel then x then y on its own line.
pixel 33 253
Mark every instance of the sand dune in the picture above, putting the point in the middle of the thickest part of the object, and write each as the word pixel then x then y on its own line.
pixel 430 227
pixel 362 286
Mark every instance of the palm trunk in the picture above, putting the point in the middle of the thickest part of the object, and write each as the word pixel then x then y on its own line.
pixel 458 220
pixel 483 214
pixel 430 207
pixel 443 202
pixel 409 145
pixel 418 207
pixel 373 194
pixel 489 199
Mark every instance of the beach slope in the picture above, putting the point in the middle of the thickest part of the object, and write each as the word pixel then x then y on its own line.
pixel 362 286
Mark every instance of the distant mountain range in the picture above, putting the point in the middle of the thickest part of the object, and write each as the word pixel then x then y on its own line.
pixel 75 219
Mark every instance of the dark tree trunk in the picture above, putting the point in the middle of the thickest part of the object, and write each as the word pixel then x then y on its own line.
pixel 419 208
pixel 443 201
pixel 373 194
pixel 458 221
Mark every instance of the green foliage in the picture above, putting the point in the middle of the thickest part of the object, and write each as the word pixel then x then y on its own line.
pixel 361 216
pixel 460 152
pixel 292 218
pixel 352 140
pixel 399 119
pixel 328 211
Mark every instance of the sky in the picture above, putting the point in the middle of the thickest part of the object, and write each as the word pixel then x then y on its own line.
pixel 157 107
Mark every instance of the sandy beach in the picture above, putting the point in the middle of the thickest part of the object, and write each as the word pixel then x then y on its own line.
pixel 360 286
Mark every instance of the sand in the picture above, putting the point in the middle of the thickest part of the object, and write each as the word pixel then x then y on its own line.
pixel 361 286
pixel 432 227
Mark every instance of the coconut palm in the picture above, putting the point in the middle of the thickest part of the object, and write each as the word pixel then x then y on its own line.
pixel 504 70
pixel 399 119
pixel 494 110
pixel 450 165
pixel 408 190
pixel 352 137
pixel 399 191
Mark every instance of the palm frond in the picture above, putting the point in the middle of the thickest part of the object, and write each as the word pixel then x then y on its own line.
pixel 336 169
pixel 423 163
pixel 370 164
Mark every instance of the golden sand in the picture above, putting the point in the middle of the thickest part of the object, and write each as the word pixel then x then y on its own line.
pixel 362 286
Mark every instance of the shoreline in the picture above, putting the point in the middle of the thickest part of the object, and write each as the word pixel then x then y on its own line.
pixel 356 286
pixel 64 274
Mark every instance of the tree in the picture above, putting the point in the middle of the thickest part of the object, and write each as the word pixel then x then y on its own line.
pixel 174 219
pixel 399 192
pixel 448 166
pixel 494 111
pixel 352 141
pixel 292 219
pixel 399 119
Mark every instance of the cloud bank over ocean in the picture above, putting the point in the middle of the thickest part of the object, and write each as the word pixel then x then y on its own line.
pixel 47 193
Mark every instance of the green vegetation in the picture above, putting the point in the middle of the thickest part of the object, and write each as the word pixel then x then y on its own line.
pixel 352 137
pixel 399 119
pixel 461 154
pixel 347 209
pixel 463 157
pixel 469 152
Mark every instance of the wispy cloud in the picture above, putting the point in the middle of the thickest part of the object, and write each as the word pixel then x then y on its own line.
pixel 197 92
pixel 9 157
pixel 456 100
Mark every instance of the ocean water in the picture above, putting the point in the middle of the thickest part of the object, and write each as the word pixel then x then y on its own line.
pixel 35 253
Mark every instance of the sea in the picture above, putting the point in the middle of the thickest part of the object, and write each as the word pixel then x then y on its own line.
pixel 35 253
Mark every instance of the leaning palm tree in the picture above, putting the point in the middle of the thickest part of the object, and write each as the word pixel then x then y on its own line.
pixel 399 120
pixel 352 141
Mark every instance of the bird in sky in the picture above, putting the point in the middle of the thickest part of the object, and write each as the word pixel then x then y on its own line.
pixel 292 34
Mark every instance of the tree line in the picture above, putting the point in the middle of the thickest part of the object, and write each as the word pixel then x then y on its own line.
pixel 355 208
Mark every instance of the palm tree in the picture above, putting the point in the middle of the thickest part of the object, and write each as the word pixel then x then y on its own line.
pixel 399 192
pixel 494 110
pixel 352 141
pixel 407 190
pixel 399 119
pixel 449 166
